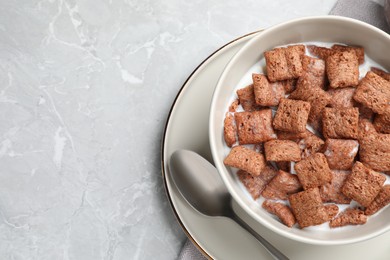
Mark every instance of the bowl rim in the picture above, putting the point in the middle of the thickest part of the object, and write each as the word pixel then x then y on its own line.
pixel 219 164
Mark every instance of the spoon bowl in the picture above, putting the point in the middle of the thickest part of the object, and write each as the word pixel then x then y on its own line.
pixel 199 185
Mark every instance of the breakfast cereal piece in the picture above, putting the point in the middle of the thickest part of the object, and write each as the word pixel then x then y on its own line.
pixel 233 106
pixel 317 98
pixel 268 173
pixel 331 192
pixel 256 184
pixel 316 124
pixel 313 171
pixel 308 208
pixel 317 106
pixel 310 145
pixel 351 216
pixel 284 63
pixel 305 91
pixel 342 68
pixel 375 151
pixel 314 66
pixel 311 91
pixel 284 166
pixel 357 49
pixel 245 159
pixel 291 115
pixel 229 130
pixel 363 184
pixel 282 150
pixel 254 127
pixel 373 91
pixel 365 127
pixel 247 98
pixel 380 201
pixel 282 185
pixel 340 153
pixel 365 112
pixel 320 52
pixel 382 122
pixel 332 210
pixel 341 97
pixel 381 73
pixel 282 135
pixel 313 72
pixel 289 85
pixel 340 123
pixel 267 93
pixel 282 211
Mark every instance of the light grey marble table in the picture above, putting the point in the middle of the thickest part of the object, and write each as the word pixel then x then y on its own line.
pixel 86 87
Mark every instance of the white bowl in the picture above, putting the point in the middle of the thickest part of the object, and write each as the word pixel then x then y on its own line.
pixel 326 29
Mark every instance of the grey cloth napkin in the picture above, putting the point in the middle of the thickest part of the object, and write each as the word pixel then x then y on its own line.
pixel 364 10
pixel 190 252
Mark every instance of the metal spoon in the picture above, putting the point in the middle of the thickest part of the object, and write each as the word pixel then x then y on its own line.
pixel 200 184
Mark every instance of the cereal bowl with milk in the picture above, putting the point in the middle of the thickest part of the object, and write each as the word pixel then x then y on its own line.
pixel 293 119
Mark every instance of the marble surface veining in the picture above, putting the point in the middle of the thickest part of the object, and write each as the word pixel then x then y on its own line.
pixel 85 89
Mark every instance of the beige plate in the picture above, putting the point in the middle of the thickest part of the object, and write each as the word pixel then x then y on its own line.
pixel 220 238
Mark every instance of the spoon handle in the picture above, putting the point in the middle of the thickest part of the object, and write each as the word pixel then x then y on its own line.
pixel 270 248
